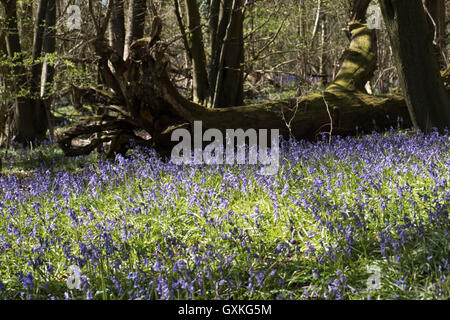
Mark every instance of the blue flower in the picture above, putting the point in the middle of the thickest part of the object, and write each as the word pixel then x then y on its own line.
pixel 28 281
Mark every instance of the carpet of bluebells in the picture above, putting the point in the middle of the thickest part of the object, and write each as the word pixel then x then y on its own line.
pixel 142 228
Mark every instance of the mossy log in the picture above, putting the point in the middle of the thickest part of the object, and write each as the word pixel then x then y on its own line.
pixel 154 104
pixel 342 109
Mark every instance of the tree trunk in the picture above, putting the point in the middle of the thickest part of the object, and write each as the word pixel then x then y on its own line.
pixel 322 70
pixel 317 20
pixel 307 117
pixel 229 83
pixel 48 71
pixel 417 66
pixel 117 27
pixel 201 90
pixel 38 38
pixel 218 21
pixel 49 47
pixel 184 36
pixel 135 23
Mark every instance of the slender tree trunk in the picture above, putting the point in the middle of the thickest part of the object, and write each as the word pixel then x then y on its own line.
pixel 49 45
pixel 116 28
pixel 48 71
pixel 201 90
pixel 322 70
pixel 135 23
pixel 317 21
pixel 184 36
pixel 302 42
pixel 417 66
pixel 38 38
pixel 229 86
pixel 216 38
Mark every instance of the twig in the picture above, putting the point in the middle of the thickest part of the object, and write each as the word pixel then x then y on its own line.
pixel 289 124
pixel 331 118
pixel 433 22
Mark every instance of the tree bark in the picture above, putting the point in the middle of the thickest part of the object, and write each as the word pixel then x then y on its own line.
pixel 182 28
pixel 417 66
pixel 201 90
pixel 317 20
pixel 38 38
pixel 48 70
pixel 322 58
pixel 218 22
pixel 229 81
pixel 117 27
pixel 49 47
pixel 135 23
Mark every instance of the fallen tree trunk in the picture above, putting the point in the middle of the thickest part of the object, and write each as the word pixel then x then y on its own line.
pixel 343 106
pixel 153 103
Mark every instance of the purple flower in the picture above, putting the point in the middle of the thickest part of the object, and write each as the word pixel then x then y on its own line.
pixel 402 283
pixel 250 286
pixel 28 281
pixel 260 276
pixel 158 267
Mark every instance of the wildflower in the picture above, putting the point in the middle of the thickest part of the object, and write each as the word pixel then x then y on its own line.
pixel 260 276
pixel 28 281
pixel 250 286
pixel 402 283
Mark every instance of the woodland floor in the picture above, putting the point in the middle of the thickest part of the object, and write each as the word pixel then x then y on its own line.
pixel 336 216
